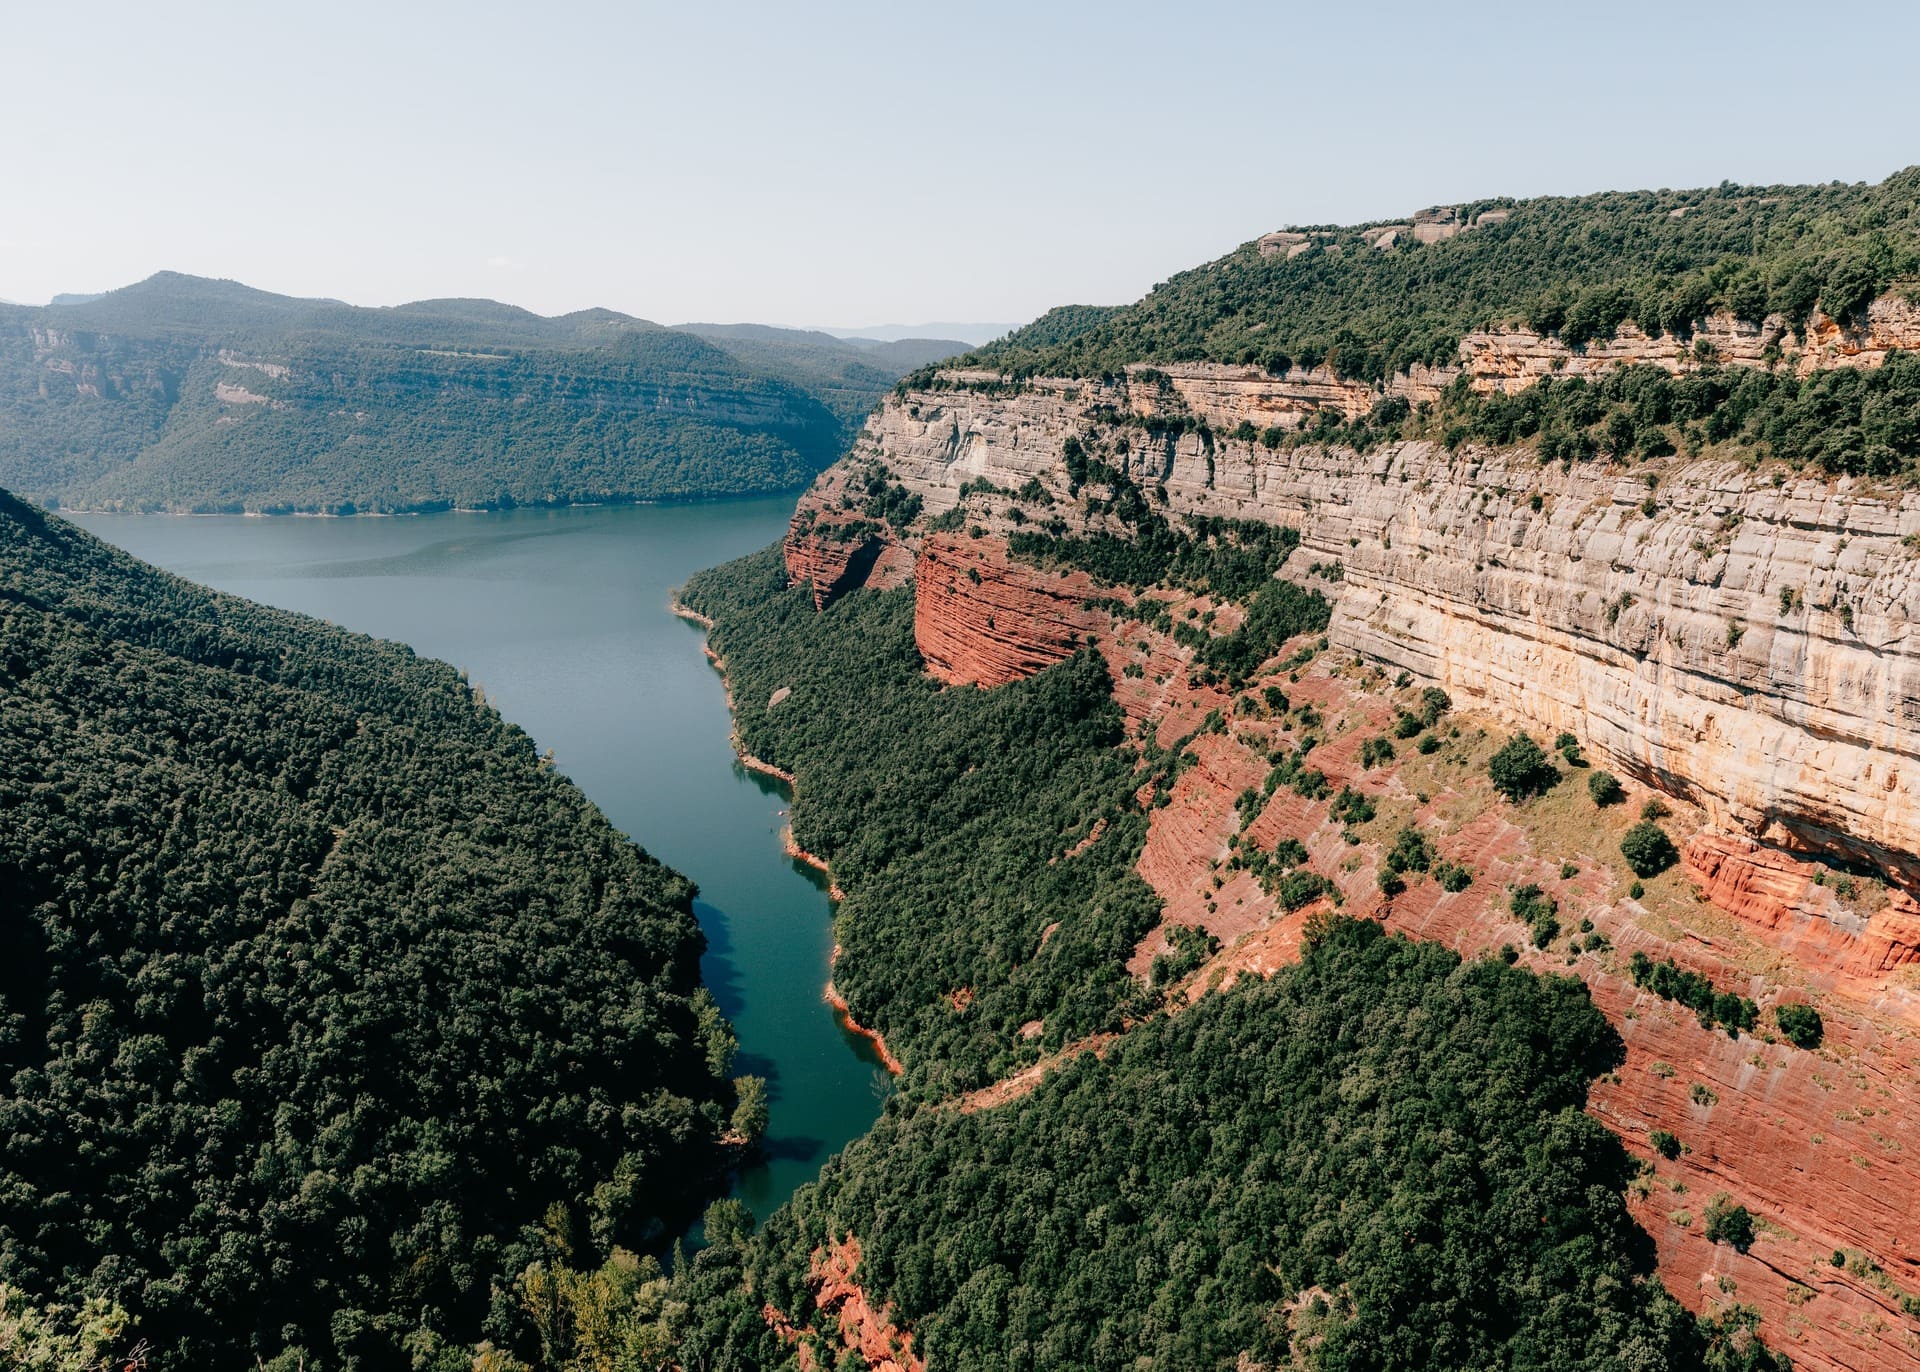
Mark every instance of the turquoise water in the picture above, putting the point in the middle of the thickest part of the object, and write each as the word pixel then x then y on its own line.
pixel 562 617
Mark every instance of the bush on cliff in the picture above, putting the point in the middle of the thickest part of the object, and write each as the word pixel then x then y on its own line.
pixel 1800 1024
pixel 1605 789
pixel 1729 1223
pixel 1520 769
pixel 1648 850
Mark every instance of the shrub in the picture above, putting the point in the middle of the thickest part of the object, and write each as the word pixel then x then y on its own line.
pixel 1800 1025
pixel 1452 876
pixel 1537 908
pixel 1729 1223
pixel 1655 808
pixel 1636 891
pixel 1427 744
pixel 1569 748
pixel 1648 850
pixel 1410 852
pixel 1520 769
pixel 1434 702
pixel 1350 807
pixel 1312 785
pixel 1301 888
pixel 1375 751
pixel 1670 981
pixel 1605 789
pixel 1664 1143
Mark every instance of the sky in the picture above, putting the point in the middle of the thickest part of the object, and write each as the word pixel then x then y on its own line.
pixel 862 163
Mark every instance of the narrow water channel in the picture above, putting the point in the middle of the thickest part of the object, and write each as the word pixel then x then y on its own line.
pixel 563 618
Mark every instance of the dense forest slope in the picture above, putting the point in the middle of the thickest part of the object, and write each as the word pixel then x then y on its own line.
pixel 1377 1159
pixel 185 394
pixel 320 990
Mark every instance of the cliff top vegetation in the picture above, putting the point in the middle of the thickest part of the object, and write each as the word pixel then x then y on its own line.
pixel 1576 266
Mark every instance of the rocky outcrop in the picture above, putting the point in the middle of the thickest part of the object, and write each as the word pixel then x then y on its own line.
pixel 1818 1145
pixel 833 1280
pixel 1735 637
pixel 1836 925
pixel 833 556
pixel 834 546
pixel 983 619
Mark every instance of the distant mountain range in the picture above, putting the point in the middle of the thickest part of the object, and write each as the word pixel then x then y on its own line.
pixel 184 393
pixel 978 334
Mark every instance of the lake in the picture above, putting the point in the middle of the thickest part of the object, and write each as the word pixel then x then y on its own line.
pixel 563 618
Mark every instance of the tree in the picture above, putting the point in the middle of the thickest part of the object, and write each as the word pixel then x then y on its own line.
pixel 1799 1024
pixel 1520 769
pixel 1648 850
pixel 749 1120
pixel 1605 789
pixel 1729 1223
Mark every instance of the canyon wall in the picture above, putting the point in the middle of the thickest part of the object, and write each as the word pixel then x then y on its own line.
pixel 1734 637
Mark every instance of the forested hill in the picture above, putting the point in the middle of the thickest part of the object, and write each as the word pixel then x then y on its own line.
pixel 1374 299
pixel 319 991
pixel 186 394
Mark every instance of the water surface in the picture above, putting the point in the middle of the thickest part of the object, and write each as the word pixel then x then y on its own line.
pixel 562 617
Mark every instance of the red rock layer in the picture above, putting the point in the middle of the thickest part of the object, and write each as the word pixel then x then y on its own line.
pixel 982 619
pixel 832 555
pixel 833 1278
pixel 1777 893
pixel 1822 1147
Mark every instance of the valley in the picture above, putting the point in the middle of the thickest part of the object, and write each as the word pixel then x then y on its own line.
pixel 1355 813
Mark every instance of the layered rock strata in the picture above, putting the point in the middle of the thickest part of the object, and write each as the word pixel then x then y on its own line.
pixel 1737 637
pixel 979 618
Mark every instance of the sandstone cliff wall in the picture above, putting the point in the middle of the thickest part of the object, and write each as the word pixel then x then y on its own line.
pixel 1742 644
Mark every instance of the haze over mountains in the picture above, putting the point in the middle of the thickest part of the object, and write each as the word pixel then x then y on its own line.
pixel 977 334
pixel 189 394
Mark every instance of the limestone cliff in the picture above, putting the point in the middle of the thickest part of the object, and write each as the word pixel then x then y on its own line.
pixel 1735 637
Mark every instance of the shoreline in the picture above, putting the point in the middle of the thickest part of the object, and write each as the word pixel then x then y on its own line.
pixel 853 1026
pixel 423 511
pixel 793 850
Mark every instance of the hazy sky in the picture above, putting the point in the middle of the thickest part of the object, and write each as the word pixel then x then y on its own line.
pixel 855 163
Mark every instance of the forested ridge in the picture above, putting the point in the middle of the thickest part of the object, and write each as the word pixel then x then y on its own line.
pixel 1575 266
pixel 954 812
pixel 320 992
pixel 185 394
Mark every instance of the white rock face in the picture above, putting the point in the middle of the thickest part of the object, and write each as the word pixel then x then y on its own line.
pixel 1745 645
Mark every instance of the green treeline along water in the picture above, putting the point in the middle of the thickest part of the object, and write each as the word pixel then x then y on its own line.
pixel 378 979
pixel 179 393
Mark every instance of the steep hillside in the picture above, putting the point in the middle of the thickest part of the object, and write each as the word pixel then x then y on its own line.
pixel 184 394
pixel 320 988
pixel 1682 550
